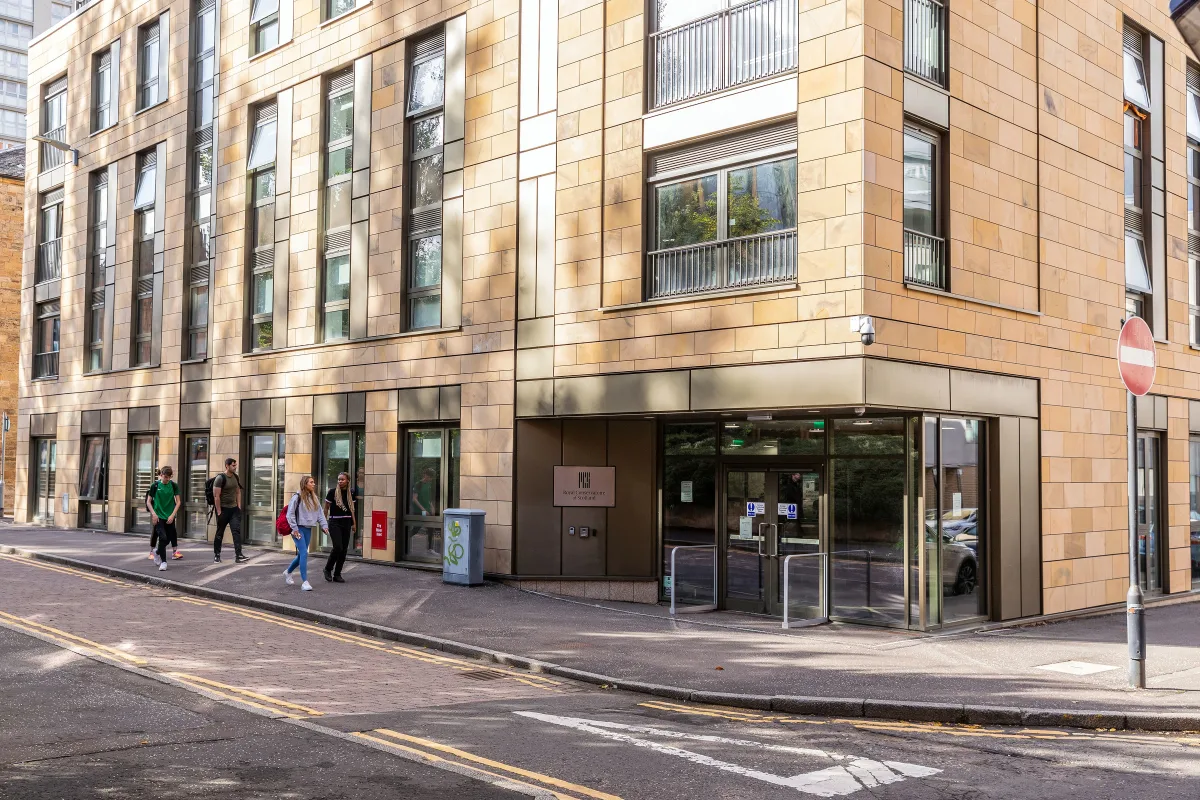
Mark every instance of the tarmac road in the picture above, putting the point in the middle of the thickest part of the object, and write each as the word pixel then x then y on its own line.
pixel 114 689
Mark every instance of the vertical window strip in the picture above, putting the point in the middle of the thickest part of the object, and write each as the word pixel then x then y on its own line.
pixel 261 164
pixel 97 266
pixel 148 65
pixel 201 221
pixel 145 203
pixel 426 126
pixel 54 123
pixel 102 86
pixel 339 168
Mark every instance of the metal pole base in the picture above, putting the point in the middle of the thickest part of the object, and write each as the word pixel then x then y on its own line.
pixel 1135 620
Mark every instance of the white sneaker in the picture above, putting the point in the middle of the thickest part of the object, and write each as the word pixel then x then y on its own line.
pixel 306 587
pixel 162 567
pixel 287 578
pixel 157 560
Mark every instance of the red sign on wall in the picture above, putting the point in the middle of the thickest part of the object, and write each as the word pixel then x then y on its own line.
pixel 378 530
pixel 1136 358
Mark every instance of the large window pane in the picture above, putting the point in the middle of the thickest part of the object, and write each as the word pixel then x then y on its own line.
pixel 1194 516
pixel 424 473
pixel 762 198
pixel 1135 81
pixel 341 117
pixel 686 212
pixel 264 292
pixel 426 311
pixel 427 134
pixel 262 146
pixel 93 481
pixel 778 438
pixel 426 262
pixel 427 181
pixel 867 539
pixel 337 206
pixel 337 279
pixel 963 516
pixel 261 488
pixel 689 507
pixel 428 85
pixel 919 185
pixel 337 325
pixel 198 306
pixel 339 162
pixel 869 436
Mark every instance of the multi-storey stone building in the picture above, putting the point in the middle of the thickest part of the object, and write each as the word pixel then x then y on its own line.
pixel 840 281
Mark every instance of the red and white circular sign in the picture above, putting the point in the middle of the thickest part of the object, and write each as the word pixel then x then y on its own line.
pixel 1135 356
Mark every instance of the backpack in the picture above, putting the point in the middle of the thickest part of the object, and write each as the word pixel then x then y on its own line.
pixel 208 491
pixel 282 526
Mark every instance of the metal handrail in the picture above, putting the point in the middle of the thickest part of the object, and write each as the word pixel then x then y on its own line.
pixel 51 156
pixel 822 588
pixel 925 40
pixel 45 365
pixel 727 48
pixel 924 259
pixel 49 261
pixel 728 263
pixel 705 606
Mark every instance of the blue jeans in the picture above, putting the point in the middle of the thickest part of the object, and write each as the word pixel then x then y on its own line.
pixel 301 558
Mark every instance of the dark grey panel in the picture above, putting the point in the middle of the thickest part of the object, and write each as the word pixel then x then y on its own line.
pixel 418 405
pixel 450 403
pixel 196 371
pixel 585 443
pixel 256 413
pixel 95 422
pixel 198 391
pixel 114 84
pixel 356 408
pixel 329 409
pixel 535 399
pixel 195 416
pixel 143 420
pixel 278 412
pixel 538 533
pixel 629 537
pixel 50 290
pixel 1005 539
pixel 43 424
pixel 1031 524
pixel 279 307
pixel 362 113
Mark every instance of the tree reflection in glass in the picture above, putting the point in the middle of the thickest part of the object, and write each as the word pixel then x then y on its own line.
pixel 428 85
pixel 686 212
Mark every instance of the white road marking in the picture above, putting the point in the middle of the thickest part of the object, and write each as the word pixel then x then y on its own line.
pixel 1076 667
pixel 829 782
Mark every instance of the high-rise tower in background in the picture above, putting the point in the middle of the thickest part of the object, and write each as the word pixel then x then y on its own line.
pixel 20 21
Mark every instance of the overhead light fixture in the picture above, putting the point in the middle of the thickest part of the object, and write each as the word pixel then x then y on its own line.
pixel 758 417
pixel 863 422
pixel 57 145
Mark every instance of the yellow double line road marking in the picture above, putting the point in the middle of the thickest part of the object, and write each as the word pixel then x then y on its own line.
pixel 898 726
pixel 239 695
pixel 78 573
pixel 529 679
pixel 453 755
pixel 69 639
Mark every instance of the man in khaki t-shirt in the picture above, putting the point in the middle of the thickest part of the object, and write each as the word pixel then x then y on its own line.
pixel 227 495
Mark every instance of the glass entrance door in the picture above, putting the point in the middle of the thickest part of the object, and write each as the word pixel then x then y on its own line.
pixel 42 507
pixel 143 452
pixel 264 485
pixel 1149 556
pixel 343 451
pixel 769 515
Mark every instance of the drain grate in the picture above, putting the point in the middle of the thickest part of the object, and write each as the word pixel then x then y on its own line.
pixel 483 675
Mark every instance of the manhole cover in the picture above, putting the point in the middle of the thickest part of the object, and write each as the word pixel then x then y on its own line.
pixel 483 675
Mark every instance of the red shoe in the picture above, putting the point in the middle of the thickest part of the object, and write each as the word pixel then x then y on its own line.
pixel 178 555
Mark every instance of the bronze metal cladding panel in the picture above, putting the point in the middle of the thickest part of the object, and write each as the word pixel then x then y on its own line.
pixel 195 416
pixel 329 409
pixel 1031 515
pixel 417 405
pixel 899 384
pixel 256 413
pixel 1005 536
pixel 630 536
pixel 539 523
pixel 535 399
pixel 535 333
pixel 792 384
pixel 584 444
pixel 95 422
pixel 1194 416
pixel 356 408
pixel 645 392
pixel 984 393
pixel 450 403
pixel 1152 412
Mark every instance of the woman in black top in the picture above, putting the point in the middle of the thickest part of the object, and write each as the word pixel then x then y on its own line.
pixel 339 510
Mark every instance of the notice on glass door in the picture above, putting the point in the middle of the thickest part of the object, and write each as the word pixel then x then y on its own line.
pixel 745 528
pixel 685 491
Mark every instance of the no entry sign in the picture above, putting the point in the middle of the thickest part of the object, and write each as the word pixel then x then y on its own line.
pixel 1135 356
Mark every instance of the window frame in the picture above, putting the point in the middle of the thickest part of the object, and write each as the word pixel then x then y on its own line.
pixel 339 247
pixel 45 354
pixel 261 23
pixel 145 81
pixel 54 108
pixel 450 434
pixel 97 265
pixel 420 224
pixel 88 500
pixel 48 201
pixel 939 207
pixel 264 265
pixel 103 112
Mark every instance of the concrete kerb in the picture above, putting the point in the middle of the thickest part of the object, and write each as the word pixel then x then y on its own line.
pixel 816 706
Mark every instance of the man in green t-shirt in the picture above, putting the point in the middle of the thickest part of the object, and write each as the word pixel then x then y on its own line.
pixel 163 501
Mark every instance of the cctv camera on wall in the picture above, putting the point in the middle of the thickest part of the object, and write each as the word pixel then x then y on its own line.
pixel 864 326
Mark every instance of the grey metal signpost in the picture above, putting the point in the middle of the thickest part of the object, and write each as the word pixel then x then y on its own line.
pixel 1136 363
pixel 3 461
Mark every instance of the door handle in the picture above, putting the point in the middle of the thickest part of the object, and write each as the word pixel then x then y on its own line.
pixel 774 549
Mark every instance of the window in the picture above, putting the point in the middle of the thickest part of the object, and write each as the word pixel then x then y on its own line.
pixel 1136 122
pixel 149 63
pixel 41 507
pixel 13 64
pixel 339 166
pixel 335 8
pixel 1192 151
pixel 432 469
pixel 1150 556
pixel 195 511
pixel 143 231
pixel 704 46
pixel 12 123
pixel 50 227
pixel 105 110
pixel 344 451
pixel 1194 516
pixel 54 123
pixel 14 34
pixel 200 245
pixel 93 483
pixel 45 345
pixel 97 268
pixel 18 9
pixel 925 40
pixel 59 12
pixel 265 452
pixel 143 457
pixel 264 25
pixel 924 247
pixel 426 99
pixel 722 227
pixel 261 166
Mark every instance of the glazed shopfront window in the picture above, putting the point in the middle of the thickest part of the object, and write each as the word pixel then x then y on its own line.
pixel 432 461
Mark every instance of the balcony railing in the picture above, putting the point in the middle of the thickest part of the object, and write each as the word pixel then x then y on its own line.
pixel 734 46
pixel 749 261
pixel 45 365
pixel 51 156
pixel 925 40
pixel 924 260
pixel 49 261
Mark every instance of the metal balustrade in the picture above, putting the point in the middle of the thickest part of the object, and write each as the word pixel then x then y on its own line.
pixel 925 40
pixel 49 261
pixel 51 156
pixel 732 263
pixel 734 46
pixel 924 259
pixel 45 365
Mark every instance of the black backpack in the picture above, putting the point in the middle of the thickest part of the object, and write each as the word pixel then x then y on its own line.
pixel 208 491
